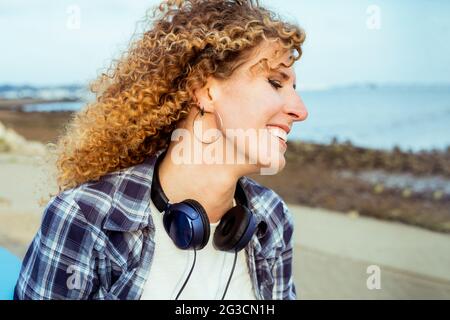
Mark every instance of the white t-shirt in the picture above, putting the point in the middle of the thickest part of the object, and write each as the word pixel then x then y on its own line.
pixel 170 267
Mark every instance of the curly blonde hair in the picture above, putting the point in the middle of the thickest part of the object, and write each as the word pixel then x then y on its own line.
pixel 143 95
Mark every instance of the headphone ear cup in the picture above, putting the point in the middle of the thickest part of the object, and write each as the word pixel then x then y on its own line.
pixel 235 229
pixel 204 220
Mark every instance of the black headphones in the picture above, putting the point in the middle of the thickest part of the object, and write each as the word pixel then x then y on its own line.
pixel 188 226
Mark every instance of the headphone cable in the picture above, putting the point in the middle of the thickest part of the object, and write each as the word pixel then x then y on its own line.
pixel 189 275
pixel 231 274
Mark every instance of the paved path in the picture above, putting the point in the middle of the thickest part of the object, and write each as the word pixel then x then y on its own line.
pixel 333 252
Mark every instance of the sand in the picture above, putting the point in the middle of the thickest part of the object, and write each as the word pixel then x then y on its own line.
pixel 332 250
pixel 24 184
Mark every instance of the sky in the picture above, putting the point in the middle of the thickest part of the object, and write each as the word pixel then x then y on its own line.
pixel 52 42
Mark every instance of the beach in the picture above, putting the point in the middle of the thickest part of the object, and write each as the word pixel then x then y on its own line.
pixel 343 223
pixel 362 105
pixel 36 126
pixel 405 186
pixel 332 249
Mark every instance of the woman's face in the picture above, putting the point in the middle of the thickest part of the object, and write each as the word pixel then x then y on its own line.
pixel 258 110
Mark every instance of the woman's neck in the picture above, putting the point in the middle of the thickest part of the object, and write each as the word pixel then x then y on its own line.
pixel 212 185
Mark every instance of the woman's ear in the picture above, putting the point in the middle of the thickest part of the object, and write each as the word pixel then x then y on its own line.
pixel 208 95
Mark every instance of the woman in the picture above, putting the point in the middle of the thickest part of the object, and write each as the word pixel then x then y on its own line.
pixel 204 98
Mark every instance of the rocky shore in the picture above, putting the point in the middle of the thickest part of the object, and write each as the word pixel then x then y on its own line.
pixel 412 188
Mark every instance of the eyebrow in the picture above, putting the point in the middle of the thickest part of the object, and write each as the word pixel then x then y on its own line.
pixel 285 76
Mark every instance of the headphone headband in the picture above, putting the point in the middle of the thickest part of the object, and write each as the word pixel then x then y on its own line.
pixel 158 196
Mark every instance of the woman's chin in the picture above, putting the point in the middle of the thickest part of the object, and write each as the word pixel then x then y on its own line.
pixel 267 159
pixel 271 164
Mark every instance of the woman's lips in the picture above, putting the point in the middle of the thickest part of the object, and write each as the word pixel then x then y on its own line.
pixel 278 132
pixel 283 142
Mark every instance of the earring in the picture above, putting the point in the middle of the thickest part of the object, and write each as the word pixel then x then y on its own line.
pixel 219 124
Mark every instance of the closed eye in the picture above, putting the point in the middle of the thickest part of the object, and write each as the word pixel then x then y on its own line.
pixel 275 84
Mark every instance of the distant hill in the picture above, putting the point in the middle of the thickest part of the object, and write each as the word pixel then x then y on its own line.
pixel 70 91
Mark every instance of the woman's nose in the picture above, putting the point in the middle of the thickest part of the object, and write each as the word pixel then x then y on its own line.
pixel 297 109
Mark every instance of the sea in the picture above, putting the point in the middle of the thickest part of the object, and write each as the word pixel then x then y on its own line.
pixel 412 118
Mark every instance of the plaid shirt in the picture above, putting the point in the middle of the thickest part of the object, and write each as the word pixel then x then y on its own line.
pixel 96 241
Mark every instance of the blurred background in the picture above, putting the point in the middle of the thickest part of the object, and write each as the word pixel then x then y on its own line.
pixel 368 173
